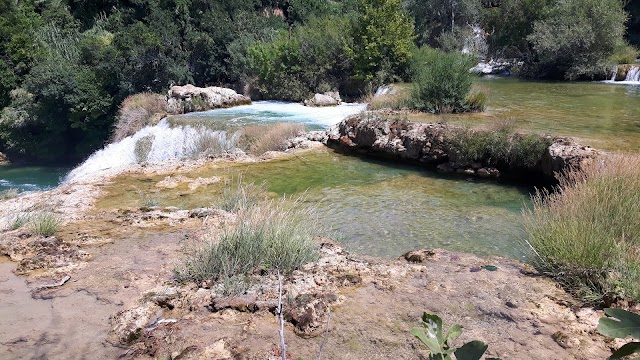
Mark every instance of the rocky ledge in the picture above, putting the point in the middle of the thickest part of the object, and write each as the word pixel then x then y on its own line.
pixel 189 98
pixel 377 133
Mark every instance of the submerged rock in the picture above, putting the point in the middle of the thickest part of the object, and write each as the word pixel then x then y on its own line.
pixel 326 99
pixel 189 98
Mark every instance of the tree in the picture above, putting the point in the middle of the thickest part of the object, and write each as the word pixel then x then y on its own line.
pixel 440 20
pixel 383 37
pixel 577 38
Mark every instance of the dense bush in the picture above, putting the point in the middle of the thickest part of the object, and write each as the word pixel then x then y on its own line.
pixel 577 38
pixel 586 234
pixel 441 81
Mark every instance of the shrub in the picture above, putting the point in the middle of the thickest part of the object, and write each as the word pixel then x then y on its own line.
pixel 271 235
pixel 44 223
pixel 586 234
pixel 625 54
pixel 476 101
pixel 398 101
pixel 258 139
pixel 498 146
pixel 442 81
pixel 138 111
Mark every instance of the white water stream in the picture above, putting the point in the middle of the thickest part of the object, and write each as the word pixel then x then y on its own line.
pixel 163 142
pixel 632 78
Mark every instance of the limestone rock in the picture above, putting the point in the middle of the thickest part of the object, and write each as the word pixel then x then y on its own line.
pixel 419 256
pixel 326 99
pixel 564 154
pixel 189 98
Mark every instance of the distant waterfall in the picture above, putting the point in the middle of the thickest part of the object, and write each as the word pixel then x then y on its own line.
pixel 155 144
pixel 633 75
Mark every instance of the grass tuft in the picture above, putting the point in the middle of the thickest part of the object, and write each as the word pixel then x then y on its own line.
pixel 44 223
pixel 238 196
pixel 270 235
pixel 9 194
pixel 258 139
pixel 498 146
pixel 587 234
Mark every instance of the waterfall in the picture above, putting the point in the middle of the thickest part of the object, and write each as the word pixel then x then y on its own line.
pixel 154 144
pixel 162 142
pixel 633 75
pixel 615 73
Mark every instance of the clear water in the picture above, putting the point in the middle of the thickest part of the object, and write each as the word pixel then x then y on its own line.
pixel 597 114
pixel 30 178
pixel 384 209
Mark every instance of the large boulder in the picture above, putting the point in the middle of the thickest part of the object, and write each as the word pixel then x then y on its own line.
pixel 189 98
pixel 326 99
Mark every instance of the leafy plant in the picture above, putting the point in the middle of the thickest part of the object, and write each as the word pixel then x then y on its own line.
pixel 441 345
pixel 621 324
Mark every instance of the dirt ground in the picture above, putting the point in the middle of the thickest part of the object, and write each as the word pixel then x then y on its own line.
pixel 121 300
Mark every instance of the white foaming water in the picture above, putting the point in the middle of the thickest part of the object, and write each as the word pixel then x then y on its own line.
pixel 632 78
pixel 152 144
pixel 162 142
pixel 278 111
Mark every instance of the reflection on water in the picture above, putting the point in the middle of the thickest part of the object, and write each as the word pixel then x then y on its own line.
pixel 602 115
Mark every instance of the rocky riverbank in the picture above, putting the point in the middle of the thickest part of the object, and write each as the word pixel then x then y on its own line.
pixel 381 134
pixel 120 261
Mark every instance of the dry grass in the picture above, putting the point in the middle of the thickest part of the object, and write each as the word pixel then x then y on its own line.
pixel 138 111
pixel 398 101
pixel 258 139
pixel 587 233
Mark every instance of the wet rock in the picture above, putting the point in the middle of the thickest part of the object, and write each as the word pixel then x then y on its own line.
pixel 326 99
pixel 129 325
pixel 419 256
pixel 189 98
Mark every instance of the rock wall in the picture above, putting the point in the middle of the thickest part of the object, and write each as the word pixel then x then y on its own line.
pixel 430 144
pixel 189 98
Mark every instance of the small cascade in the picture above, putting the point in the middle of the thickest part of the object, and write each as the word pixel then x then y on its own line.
pixel 633 75
pixel 163 142
pixel 155 144
pixel 614 74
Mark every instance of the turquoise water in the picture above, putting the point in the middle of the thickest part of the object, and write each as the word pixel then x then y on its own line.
pixel 30 178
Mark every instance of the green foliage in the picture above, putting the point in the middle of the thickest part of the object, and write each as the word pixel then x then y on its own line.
pixel 295 66
pixel 577 38
pixel 442 81
pixel 271 234
pixel 621 324
pixel 586 233
pixel 625 54
pixel 440 344
pixel 442 23
pixel 500 146
pixel 383 37
pixel 509 25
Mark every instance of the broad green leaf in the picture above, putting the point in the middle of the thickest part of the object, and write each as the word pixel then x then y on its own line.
pixel 628 349
pixel 621 324
pixel 430 342
pixel 453 334
pixel 471 351
pixel 433 323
